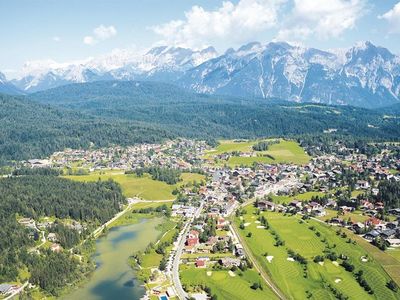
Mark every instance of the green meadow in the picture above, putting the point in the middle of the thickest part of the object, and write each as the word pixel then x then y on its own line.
pixel 143 187
pixel 284 151
pixel 226 146
pixel 301 197
pixel 223 285
pixel 289 275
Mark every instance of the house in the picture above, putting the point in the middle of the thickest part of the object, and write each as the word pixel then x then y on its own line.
pixel 366 205
pixel 319 212
pixel 192 238
pixel 52 237
pixel 331 204
pixel 239 250
pixel 388 233
pixel 335 221
pixel 314 205
pixel 363 184
pixel 56 248
pixel 358 226
pixel 296 203
pixel 266 205
pixel 221 223
pixel 391 225
pixel 6 288
pixel 393 243
pixel 372 235
pixel 39 163
pixel 229 262
pixel 394 211
pixel 27 222
pixel 373 221
pixel 201 263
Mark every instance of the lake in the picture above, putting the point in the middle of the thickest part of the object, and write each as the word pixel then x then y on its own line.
pixel 113 277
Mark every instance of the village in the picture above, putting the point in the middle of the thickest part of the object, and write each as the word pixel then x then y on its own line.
pixel 337 189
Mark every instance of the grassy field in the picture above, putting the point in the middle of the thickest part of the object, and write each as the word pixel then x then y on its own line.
pixel 225 286
pixel 288 151
pixel 142 187
pixel 289 275
pixel 153 259
pixel 285 151
pixel 387 260
pixel 226 146
pixel 394 253
pixel 301 197
pixel 355 216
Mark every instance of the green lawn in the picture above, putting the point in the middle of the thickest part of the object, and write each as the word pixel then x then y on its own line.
pixel 301 197
pixel 288 275
pixel 225 286
pixel 288 151
pixel 226 146
pixel 141 205
pixel 142 187
pixel 394 253
pixel 284 151
pixel 355 216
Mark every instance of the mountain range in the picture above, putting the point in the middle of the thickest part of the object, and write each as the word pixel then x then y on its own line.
pixel 364 75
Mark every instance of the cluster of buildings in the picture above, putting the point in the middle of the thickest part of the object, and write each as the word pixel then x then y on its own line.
pixel 43 231
pixel 180 154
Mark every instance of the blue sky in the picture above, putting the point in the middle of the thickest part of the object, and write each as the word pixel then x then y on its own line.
pixel 70 30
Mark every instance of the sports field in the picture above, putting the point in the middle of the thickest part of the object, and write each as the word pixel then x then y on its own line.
pixel 142 187
pixel 297 235
pixel 223 285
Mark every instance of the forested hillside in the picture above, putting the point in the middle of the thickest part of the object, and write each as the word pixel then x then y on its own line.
pixel 197 115
pixel 40 196
pixel 30 130
pixel 110 112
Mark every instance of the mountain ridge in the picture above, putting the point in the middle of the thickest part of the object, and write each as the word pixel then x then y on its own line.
pixel 364 75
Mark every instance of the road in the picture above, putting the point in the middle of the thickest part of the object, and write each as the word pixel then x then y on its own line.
pixel 180 292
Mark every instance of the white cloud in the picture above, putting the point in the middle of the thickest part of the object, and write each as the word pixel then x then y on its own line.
pixel 56 39
pixel 100 33
pixel 89 40
pixel 103 33
pixel 393 17
pixel 230 22
pixel 322 19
